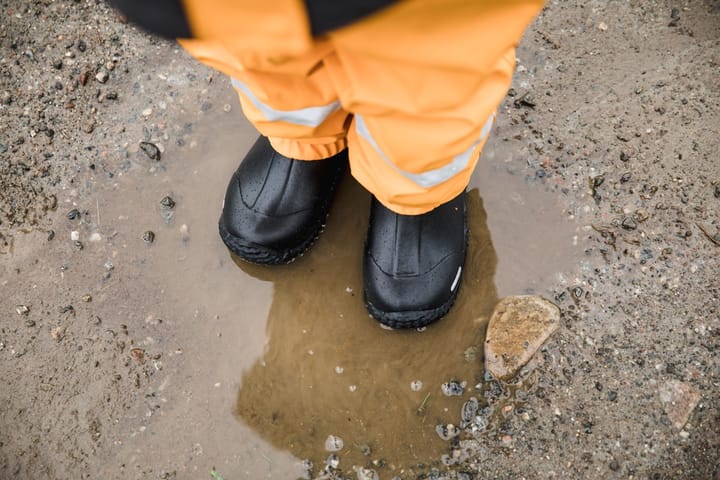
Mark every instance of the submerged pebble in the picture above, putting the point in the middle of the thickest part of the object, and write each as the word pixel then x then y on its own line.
pixel 470 409
pixel 453 388
pixel 366 473
pixel 333 461
pixel 334 443
pixel 148 237
pixel 447 432
pixel 167 202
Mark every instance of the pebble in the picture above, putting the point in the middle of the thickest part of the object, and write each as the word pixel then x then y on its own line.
pixel 332 461
pixel 87 298
pixel 641 215
pixel 102 76
pixel 629 224
pixel 167 202
pixel 58 333
pixel 470 409
pixel 447 432
pixel 679 399
pixel 137 354
pixel 716 193
pixel 334 443
pixel 148 237
pixel 674 17
pixel 416 385
pixel 517 329
pixel 366 473
pixel 109 265
pixel 526 100
pixel 22 309
pixel 74 236
pixel 151 150
pixel 453 388
pixel 95 237
pixel 73 214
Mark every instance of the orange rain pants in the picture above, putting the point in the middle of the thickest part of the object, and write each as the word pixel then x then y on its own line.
pixel 411 91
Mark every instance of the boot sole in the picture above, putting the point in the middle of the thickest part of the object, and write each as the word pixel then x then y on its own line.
pixel 261 255
pixel 413 319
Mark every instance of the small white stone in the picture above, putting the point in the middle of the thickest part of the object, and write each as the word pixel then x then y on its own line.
pixel 334 443
pixel 147 112
pixel 95 237
pixel 416 385
pixel 339 369
pixel 352 388
pixel 74 235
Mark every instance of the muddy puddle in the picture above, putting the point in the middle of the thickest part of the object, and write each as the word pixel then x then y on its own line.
pixel 270 362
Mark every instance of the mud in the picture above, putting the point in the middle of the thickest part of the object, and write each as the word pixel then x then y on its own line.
pixel 167 359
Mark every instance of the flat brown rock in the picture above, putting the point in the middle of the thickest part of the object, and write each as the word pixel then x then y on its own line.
pixel 517 329
pixel 679 399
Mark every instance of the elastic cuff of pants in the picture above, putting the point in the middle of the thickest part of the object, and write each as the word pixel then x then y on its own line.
pixel 409 209
pixel 420 204
pixel 313 149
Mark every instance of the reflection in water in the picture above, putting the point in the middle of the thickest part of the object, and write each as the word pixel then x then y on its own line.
pixel 329 369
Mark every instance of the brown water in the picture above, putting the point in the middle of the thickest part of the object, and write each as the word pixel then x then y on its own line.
pixel 274 360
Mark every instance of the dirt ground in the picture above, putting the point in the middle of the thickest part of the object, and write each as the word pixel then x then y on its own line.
pixel 132 346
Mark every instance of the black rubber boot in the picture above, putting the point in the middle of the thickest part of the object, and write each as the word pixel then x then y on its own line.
pixel 275 206
pixel 413 263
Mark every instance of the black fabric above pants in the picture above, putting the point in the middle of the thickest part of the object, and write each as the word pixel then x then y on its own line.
pixel 167 17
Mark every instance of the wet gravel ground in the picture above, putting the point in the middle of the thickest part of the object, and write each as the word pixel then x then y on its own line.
pixel 614 109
